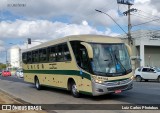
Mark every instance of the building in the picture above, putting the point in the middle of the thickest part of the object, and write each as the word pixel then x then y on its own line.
pixel 146 48
pixel 15 57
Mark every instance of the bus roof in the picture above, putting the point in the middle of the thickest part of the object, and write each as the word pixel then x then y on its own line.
pixel 85 38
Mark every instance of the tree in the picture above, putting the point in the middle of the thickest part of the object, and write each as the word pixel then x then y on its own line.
pixel 2 66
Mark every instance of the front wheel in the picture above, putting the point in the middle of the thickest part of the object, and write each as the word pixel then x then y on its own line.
pixel 74 90
pixel 37 84
pixel 138 78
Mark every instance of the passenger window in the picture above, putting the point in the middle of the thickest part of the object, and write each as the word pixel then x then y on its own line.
pixel 52 54
pixel 24 58
pixel 42 55
pixel 29 57
pixel 81 55
pixel 67 56
pixel 60 53
pixel 84 59
pixel 152 70
pixel 35 56
pixel 145 70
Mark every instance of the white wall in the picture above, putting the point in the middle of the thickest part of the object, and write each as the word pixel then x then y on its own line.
pixel 15 57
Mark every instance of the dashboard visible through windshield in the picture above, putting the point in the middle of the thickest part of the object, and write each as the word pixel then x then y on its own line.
pixel 110 59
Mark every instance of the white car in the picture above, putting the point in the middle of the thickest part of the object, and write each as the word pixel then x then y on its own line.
pixel 19 73
pixel 147 73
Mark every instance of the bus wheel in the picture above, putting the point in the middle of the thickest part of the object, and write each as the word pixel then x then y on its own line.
pixel 74 91
pixel 37 85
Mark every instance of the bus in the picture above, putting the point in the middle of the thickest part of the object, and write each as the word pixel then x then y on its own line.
pixel 82 64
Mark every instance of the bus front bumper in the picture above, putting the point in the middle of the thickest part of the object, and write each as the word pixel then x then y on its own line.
pixel 110 87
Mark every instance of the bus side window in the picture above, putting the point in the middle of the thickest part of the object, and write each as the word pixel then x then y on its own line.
pixel 60 56
pixel 24 58
pixel 43 55
pixel 35 56
pixel 67 56
pixel 81 55
pixel 29 57
pixel 84 58
pixel 52 54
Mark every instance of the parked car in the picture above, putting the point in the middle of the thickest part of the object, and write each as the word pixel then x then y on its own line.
pixel 19 73
pixel 6 73
pixel 147 73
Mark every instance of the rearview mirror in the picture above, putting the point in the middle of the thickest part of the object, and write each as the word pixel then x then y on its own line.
pixel 129 49
pixel 89 49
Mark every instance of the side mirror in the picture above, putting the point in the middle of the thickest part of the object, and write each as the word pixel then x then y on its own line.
pixel 89 49
pixel 129 49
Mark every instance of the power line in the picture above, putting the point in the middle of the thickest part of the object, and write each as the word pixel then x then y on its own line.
pixel 144 16
pixel 148 13
pixel 112 19
pixel 146 22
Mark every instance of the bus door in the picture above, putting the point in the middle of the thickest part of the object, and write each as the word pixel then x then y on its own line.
pixel 82 60
pixel 84 65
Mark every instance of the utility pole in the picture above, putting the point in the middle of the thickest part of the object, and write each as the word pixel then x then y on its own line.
pixel 129 26
pixel 6 59
pixel 128 13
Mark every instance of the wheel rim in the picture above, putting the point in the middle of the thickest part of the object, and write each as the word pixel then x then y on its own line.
pixel 74 89
pixel 138 79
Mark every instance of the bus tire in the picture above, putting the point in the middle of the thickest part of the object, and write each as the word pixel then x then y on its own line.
pixel 37 84
pixel 74 90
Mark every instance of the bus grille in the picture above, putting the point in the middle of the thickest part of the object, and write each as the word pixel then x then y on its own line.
pixel 117 88
pixel 122 82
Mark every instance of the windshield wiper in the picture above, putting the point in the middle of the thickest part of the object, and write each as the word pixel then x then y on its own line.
pixel 120 64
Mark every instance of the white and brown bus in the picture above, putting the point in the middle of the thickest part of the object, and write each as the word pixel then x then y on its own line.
pixel 87 64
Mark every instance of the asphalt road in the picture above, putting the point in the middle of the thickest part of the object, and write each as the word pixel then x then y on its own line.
pixel 142 93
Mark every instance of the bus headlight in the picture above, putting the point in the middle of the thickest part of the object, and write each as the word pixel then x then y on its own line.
pixel 98 81
pixel 132 77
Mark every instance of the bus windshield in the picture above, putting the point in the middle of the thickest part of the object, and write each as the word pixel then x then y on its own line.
pixel 110 59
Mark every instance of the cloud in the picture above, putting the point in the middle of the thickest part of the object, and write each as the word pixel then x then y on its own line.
pixel 47 9
pixel 44 29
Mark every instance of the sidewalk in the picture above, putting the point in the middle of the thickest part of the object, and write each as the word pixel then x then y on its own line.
pixel 8 99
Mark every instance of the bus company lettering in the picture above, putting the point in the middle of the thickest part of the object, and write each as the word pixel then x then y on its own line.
pixel 52 66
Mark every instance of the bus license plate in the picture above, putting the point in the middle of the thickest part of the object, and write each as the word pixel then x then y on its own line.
pixel 117 91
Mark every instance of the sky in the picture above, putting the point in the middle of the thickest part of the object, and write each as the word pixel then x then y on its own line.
pixel 44 20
